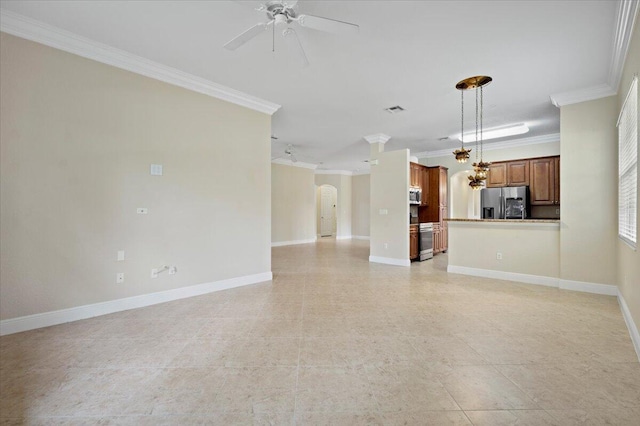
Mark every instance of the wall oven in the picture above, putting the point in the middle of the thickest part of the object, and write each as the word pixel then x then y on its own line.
pixel 426 241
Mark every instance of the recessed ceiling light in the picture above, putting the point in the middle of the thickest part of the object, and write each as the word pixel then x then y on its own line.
pixel 394 109
pixel 498 132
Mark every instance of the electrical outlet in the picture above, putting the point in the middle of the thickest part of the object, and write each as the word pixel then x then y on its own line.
pixel 142 210
pixel 119 277
pixel 173 270
pixel 154 273
pixel 499 256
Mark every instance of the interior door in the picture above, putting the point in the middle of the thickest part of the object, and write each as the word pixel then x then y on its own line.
pixel 327 211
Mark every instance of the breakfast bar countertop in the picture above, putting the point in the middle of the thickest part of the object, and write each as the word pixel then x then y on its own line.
pixel 505 220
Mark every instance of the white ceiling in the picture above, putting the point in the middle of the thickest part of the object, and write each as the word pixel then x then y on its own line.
pixel 407 53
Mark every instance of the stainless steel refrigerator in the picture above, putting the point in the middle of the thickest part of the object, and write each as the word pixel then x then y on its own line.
pixel 505 203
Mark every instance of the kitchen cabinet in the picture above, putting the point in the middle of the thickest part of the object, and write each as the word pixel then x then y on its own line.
pixel 545 181
pixel 414 174
pixel 414 251
pixel 419 178
pixel 437 239
pixel 424 184
pixel 508 173
pixel 497 175
pixel 518 173
pixel 556 183
pixel 437 209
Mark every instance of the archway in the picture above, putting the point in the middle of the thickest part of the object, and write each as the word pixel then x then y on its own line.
pixel 464 202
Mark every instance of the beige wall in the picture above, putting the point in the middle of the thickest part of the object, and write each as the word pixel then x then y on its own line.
pixel 628 259
pixel 77 139
pixel 475 245
pixel 293 204
pixel 343 184
pixel 390 191
pixel 360 207
pixel 588 174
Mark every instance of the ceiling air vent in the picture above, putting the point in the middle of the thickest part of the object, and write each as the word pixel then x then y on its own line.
pixel 394 109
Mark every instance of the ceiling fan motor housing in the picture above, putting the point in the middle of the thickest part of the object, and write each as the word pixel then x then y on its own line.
pixel 280 12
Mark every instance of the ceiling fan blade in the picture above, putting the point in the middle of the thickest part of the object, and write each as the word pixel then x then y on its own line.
pixel 246 36
pixel 326 24
pixel 293 42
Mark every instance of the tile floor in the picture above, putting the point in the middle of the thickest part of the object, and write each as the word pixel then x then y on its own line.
pixel 334 340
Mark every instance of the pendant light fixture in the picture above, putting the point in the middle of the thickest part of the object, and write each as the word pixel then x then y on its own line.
pixel 481 167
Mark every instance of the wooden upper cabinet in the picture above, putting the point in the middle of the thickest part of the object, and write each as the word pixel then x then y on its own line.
pixel 543 181
pixel 424 184
pixel 497 175
pixel 414 174
pixel 518 173
pixel 509 173
pixel 556 165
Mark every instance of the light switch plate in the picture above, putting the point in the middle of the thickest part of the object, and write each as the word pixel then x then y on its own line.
pixel 120 255
pixel 156 169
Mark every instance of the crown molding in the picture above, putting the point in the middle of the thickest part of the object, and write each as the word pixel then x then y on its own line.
pixel 582 95
pixel 377 138
pixel 31 29
pixel 285 162
pixel 361 172
pixel 625 20
pixel 534 140
pixel 334 172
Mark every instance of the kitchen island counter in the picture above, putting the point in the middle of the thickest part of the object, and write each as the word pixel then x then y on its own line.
pixel 506 221
pixel 525 250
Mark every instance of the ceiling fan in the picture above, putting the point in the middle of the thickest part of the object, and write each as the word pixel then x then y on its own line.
pixel 292 155
pixel 283 13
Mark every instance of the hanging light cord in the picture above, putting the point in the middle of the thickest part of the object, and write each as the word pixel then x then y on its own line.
pixel 481 130
pixel 477 124
pixel 462 118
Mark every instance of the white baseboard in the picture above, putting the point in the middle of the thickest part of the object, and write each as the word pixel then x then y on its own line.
pixel 294 242
pixel 46 319
pixel 585 287
pixel 343 237
pixel 607 289
pixel 390 261
pixel 361 237
pixel 633 330
pixel 502 275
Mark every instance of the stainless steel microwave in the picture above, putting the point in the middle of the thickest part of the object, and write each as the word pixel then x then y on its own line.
pixel 415 195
